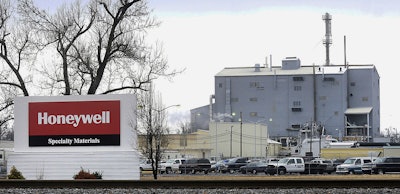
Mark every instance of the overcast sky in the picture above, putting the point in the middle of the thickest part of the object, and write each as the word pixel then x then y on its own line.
pixel 206 36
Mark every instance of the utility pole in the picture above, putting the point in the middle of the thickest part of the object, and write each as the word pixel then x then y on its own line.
pixel 230 154
pixel 241 134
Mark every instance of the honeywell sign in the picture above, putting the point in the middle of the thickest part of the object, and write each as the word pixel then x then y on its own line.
pixel 74 123
pixel 74 120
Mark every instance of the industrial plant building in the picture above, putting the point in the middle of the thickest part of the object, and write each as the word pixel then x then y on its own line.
pixel 343 99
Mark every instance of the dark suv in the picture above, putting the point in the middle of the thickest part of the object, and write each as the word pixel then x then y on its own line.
pixel 194 165
pixel 233 165
pixel 386 164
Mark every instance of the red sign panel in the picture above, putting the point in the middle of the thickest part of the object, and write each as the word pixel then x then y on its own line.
pixel 74 123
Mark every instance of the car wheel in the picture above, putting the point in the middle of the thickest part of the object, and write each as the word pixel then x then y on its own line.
pixel 351 172
pixel 206 172
pixel 254 171
pixel 193 171
pixel 380 171
pixel 281 171
pixel 168 171
pixel 231 171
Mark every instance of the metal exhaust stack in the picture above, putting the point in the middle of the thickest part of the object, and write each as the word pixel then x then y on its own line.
pixel 328 35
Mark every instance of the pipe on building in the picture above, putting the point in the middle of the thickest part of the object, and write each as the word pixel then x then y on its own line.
pixel 210 108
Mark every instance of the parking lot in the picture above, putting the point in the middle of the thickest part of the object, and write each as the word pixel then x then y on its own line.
pixel 262 176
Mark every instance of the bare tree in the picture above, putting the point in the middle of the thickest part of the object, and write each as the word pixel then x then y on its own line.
pixel 184 130
pixel 152 119
pixel 17 52
pixel 60 30
pixel 102 48
pixel 95 47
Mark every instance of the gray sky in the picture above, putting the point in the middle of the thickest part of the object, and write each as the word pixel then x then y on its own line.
pixel 206 36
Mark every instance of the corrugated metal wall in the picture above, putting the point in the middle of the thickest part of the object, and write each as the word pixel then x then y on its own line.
pixel 114 165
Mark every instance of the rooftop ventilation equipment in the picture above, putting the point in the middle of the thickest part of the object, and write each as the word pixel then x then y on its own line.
pixel 257 67
pixel 291 63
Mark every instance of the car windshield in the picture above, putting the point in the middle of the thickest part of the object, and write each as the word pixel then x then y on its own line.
pixel 283 160
pixel 378 160
pixel 143 160
pixel 222 161
pixel 349 161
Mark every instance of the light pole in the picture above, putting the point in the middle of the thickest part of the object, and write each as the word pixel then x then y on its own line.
pixel 255 140
pixel 230 153
pixel 255 135
pixel 175 105
pixel 241 131
pixel 216 141
pixel 241 134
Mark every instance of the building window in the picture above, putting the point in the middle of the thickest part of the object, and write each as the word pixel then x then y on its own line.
pixel 220 85
pixel 253 114
pixel 296 103
pixel 329 79
pixel 234 99
pixel 296 126
pixel 298 78
pixel 365 99
pixel 296 109
pixel 254 99
pixel 254 84
pixel 353 84
pixel 297 88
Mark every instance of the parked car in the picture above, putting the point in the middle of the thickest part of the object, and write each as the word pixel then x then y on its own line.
pixel 330 167
pixel 269 160
pixel 171 165
pixel 386 164
pixel 353 165
pixel 367 167
pixel 233 165
pixel 284 165
pixel 253 167
pixel 217 166
pixel 145 165
pixel 337 162
pixel 194 165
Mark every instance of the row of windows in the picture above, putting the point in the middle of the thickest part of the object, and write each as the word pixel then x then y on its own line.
pixel 295 103
pixel 256 84
pixel 297 88
pixel 255 114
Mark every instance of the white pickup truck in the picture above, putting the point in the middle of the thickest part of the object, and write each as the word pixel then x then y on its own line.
pixel 145 165
pixel 171 165
pixel 286 165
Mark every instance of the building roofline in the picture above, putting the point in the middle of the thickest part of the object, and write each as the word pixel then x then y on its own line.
pixel 277 70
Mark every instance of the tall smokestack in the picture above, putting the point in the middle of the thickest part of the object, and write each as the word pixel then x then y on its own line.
pixel 328 35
